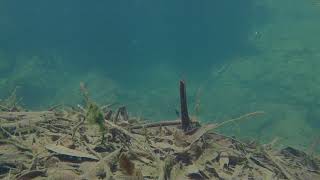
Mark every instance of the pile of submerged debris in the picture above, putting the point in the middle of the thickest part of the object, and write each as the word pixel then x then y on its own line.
pixel 92 142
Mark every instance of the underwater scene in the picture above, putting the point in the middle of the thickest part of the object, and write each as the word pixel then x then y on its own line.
pixel 82 79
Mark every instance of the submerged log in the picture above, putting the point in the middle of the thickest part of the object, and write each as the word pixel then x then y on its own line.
pixel 185 120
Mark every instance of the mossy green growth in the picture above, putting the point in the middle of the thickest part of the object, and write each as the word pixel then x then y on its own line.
pixel 95 116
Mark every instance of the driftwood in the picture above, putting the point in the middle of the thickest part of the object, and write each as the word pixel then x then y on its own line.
pixel 32 174
pixel 136 137
pixel 108 115
pixel 32 116
pixel 13 120
pixel 161 124
pixel 121 114
pixel 159 153
pixel 69 152
pixel 64 145
pixel 185 120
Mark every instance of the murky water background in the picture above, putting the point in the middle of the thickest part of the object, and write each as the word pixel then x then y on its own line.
pixel 236 57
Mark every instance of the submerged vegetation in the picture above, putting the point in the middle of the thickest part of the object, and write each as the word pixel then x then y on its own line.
pixel 94 114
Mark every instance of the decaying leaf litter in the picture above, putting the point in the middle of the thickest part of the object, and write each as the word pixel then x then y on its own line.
pixel 93 142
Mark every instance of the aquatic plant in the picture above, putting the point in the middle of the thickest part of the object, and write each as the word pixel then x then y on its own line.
pixel 94 114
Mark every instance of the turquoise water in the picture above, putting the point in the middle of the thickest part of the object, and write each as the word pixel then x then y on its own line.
pixel 236 57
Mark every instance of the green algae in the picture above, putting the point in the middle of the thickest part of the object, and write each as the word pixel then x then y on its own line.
pixel 94 115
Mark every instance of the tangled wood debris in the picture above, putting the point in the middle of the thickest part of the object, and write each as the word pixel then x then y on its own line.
pixel 62 144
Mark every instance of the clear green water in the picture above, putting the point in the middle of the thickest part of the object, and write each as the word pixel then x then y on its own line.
pixel 236 56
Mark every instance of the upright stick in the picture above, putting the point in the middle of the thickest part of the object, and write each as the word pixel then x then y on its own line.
pixel 185 120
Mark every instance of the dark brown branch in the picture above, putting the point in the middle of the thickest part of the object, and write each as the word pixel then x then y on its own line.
pixel 185 120
pixel 158 124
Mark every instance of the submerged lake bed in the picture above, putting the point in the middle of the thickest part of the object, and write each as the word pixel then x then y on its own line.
pixel 235 57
